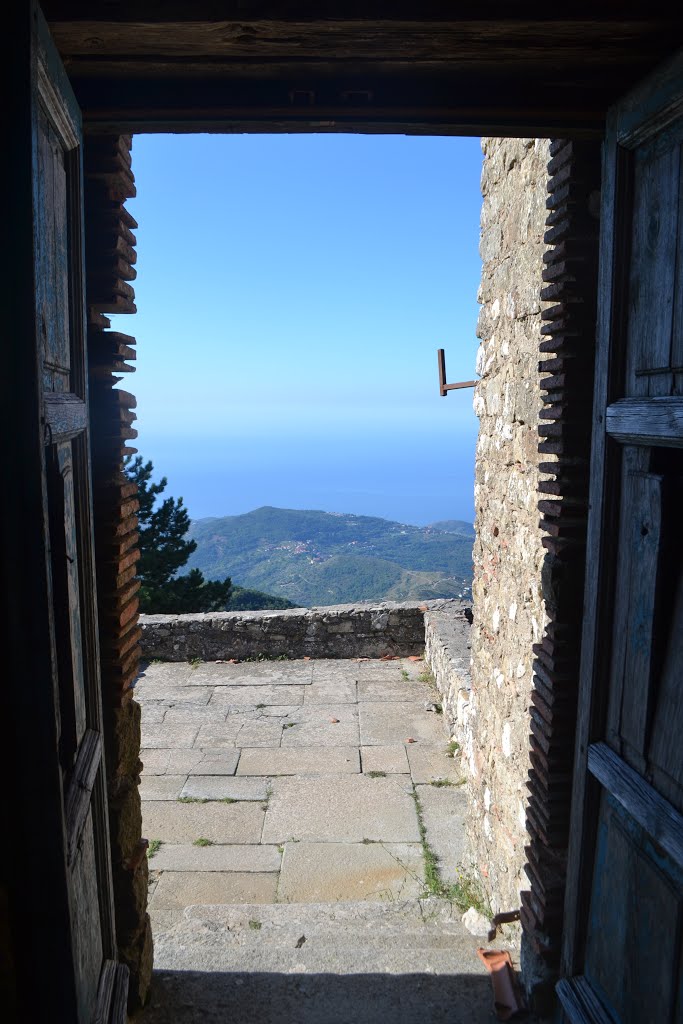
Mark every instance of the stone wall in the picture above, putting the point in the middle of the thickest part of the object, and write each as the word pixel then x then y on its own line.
pixel 508 607
pixel 337 631
pixel 448 654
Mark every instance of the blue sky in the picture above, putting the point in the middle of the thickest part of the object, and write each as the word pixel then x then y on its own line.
pixel 292 291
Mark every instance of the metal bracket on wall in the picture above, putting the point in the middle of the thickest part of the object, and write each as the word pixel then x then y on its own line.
pixel 444 388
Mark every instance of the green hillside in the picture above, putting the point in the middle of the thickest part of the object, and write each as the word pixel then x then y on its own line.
pixel 311 557
pixel 457 526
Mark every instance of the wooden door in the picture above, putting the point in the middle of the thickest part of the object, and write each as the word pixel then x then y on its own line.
pixel 95 987
pixel 623 954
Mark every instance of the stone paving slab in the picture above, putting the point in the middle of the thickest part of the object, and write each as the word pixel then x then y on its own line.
pixel 388 722
pixel 176 890
pixel 172 693
pixel 153 711
pixel 264 694
pixel 378 669
pixel 443 815
pixel 166 735
pixel 341 808
pixel 391 759
pixel 280 711
pixel 261 673
pixel 155 760
pixel 186 857
pixel 317 872
pixel 266 732
pixel 220 823
pixel 428 764
pixel 395 690
pixel 331 691
pixel 161 761
pixel 219 734
pixel 331 669
pixel 321 725
pixel 161 787
pixel 299 761
pixel 216 762
pixel 173 672
pixel 225 787
pixel 191 714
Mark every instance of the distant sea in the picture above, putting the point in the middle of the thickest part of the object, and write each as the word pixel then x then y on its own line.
pixel 400 478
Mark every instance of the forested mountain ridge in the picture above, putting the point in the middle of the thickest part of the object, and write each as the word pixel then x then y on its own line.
pixel 313 557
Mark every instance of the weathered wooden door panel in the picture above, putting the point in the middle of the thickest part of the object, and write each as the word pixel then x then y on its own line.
pixel 61 356
pixel 637 907
pixel 624 912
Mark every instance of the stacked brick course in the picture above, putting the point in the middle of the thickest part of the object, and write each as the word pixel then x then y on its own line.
pixel 110 269
pixel 566 368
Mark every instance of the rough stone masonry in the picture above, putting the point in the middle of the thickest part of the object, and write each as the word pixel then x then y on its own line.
pixel 507 602
pixel 335 631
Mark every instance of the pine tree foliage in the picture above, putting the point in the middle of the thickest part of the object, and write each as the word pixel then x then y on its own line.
pixel 164 551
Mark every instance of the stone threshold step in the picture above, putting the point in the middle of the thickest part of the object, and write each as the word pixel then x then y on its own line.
pixel 334 929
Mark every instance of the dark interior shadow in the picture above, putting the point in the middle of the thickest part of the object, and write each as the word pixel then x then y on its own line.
pixel 199 997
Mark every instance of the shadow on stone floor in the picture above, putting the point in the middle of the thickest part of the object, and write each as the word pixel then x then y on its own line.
pixel 203 997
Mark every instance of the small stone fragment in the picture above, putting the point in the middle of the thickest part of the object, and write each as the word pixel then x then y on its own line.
pixel 300 942
pixel 476 923
pixel 411 740
pixel 334 720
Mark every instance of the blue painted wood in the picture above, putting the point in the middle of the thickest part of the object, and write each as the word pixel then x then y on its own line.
pixel 650 810
pixel 637 896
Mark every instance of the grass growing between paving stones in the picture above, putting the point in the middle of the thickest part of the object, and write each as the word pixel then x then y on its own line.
pixel 255 926
pixel 195 662
pixel 154 847
pixel 465 893
pixel 201 841
pixel 376 775
pixel 426 676
pixel 452 748
pixel 405 674
pixel 193 800
pixel 441 782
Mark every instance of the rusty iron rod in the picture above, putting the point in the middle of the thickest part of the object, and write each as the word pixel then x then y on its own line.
pixel 444 388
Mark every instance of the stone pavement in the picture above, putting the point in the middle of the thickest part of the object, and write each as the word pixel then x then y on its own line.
pixel 284 797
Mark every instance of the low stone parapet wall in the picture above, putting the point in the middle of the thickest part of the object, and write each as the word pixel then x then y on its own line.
pixel 447 652
pixel 336 631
